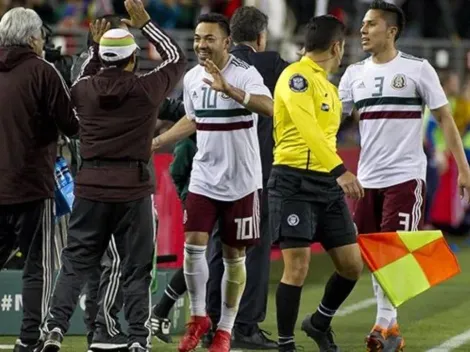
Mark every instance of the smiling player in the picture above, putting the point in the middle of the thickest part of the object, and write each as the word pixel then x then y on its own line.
pixel 389 90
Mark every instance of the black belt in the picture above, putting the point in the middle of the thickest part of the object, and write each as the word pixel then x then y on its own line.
pixel 131 164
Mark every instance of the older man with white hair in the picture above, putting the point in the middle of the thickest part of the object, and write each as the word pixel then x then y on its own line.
pixel 35 104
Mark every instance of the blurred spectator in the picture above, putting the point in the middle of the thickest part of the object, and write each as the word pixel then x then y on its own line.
pixel 434 143
pixel 462 108
pixel 164 12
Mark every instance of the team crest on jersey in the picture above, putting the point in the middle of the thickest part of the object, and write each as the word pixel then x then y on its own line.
pixel 325 107
pixel 225 96
pixel 194 95
pixel 298 83
pixel 399 81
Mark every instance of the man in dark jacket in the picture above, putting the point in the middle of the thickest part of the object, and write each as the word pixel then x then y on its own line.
pixel 113 187
pixel 35 104
pixel 180 168
pixel 103 290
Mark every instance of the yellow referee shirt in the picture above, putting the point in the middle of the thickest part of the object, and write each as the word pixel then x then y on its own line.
pixel 307 115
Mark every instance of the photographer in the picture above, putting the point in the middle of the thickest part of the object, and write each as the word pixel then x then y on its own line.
pixel 34 104
pixel 113 191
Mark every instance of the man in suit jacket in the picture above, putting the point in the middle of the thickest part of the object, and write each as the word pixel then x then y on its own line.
pixel 249 33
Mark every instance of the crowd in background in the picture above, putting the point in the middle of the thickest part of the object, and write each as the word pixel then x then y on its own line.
pixel 449 17
pixel 287 19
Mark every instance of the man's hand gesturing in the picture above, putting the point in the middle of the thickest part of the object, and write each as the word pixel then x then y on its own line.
pixel 98 28
pixel 137 13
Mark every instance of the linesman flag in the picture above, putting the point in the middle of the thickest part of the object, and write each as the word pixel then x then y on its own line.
pixel 408 263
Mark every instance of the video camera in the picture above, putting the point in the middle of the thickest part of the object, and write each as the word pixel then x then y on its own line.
pixel 63 63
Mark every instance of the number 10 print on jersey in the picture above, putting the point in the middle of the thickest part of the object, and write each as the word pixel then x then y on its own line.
pixel 227 165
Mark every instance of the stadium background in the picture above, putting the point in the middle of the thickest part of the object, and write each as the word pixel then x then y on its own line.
pixel 437 30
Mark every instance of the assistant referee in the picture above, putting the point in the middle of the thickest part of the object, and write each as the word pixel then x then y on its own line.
pixel 308 182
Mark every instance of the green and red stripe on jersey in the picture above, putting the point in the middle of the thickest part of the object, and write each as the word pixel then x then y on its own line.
pixel 223 113
pixel 395 110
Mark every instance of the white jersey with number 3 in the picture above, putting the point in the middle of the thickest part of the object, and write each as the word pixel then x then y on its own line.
pixel 390 99
pixel 227 165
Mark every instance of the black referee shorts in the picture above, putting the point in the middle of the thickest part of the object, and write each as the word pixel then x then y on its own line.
pixel 307 206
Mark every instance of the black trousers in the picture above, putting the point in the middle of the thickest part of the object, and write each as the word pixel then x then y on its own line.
pixel 104 296
pixel 92 226
pixel 255 298
pixel 29 227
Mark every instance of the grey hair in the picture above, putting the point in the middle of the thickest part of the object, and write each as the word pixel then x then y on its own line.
pixel 18 25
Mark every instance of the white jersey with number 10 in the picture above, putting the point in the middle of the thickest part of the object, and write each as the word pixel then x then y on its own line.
pixel 227 165
pixel 390 100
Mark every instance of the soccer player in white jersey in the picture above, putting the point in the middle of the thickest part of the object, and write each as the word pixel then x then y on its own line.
pixel 389 90
pixel 223 97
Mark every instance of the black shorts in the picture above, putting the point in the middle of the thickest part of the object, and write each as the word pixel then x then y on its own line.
pixel 306 207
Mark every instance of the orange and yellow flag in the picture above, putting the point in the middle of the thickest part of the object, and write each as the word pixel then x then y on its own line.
pixel 408 263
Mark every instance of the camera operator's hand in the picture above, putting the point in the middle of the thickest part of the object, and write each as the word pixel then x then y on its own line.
pixel 98 28
pixel 137 13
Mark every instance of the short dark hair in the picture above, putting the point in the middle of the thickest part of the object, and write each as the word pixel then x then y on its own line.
pixel 213 17
pixel 247 23
pixel 394 15
pixel 114 20
pixel 322 31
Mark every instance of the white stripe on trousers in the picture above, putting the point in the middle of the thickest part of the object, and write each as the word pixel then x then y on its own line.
pixel 256 214
pixel 148 323
pixel 416 212
pixel 113 288
pixel 47 262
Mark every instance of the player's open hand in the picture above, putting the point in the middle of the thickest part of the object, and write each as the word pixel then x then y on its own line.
pixel 137 13
pixel 350 185
pixel 464 186
pixel 98 28
pixel 219 83
pixel 156 144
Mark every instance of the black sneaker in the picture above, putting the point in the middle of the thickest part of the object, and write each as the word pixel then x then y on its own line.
pixel 23 347
pixel 206 340
pixel 256 341
pixel 103 341
pixel 324 339
pixel 53 341
pixel 89 340
pixel 161 328
pixel 136 347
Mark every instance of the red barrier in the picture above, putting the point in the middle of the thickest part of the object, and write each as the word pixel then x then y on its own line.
pixel 447 207
pixel 170 237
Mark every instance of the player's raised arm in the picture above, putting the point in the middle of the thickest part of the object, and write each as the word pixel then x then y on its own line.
pixel 161 80
pixel 435 98
pixel 259 102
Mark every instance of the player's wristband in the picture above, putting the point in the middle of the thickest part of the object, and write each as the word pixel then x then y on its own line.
pixel 338 170
pixel 247 98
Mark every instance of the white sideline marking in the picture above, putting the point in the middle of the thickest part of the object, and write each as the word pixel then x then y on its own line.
pixel 452 343
pixel 6 347
pixel 355 307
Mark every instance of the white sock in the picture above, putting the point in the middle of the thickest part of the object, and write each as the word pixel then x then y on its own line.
pixel 233 286
pixel 196 274
pixel 386 312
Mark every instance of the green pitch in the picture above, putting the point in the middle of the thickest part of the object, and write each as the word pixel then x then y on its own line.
pixel 426 321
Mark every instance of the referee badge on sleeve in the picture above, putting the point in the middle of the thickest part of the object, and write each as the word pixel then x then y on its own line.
pixel 298 83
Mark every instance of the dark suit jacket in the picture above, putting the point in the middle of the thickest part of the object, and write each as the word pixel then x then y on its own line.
pixel 270 65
